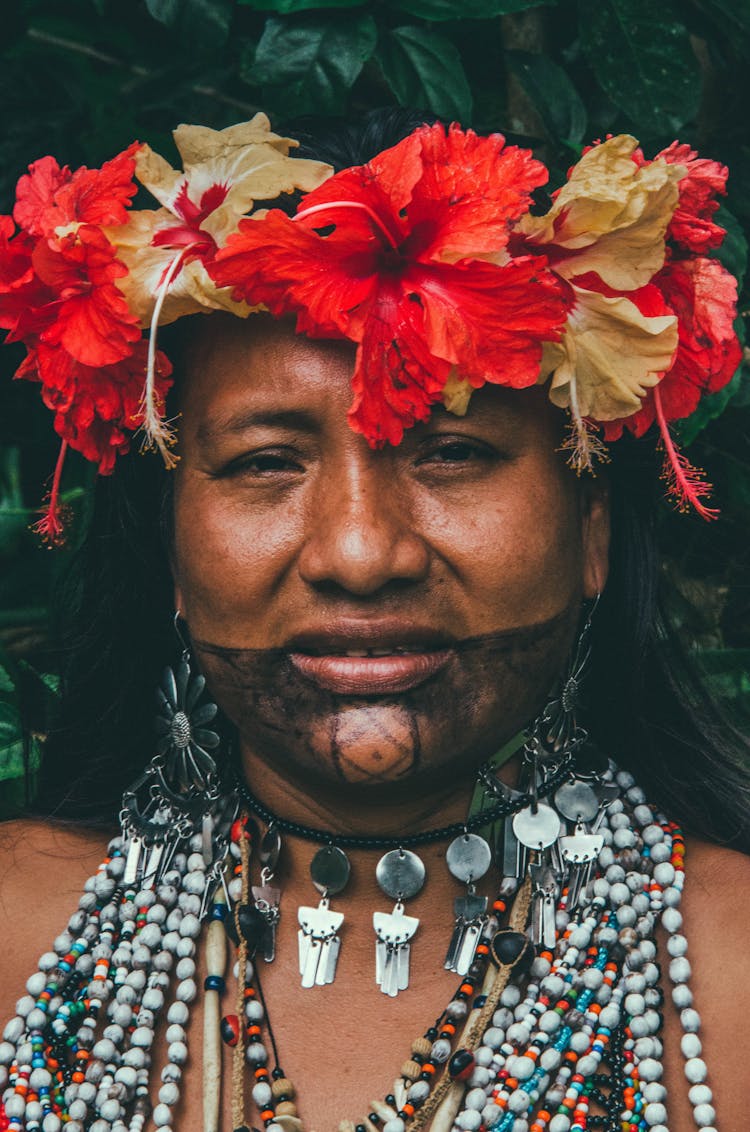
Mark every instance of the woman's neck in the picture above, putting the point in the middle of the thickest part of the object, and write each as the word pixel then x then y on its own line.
pixel 388 810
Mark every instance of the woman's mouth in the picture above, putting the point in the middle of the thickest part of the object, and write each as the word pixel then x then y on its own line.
pixel 371 671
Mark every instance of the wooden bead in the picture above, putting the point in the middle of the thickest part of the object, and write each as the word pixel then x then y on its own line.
pixel 286 1108
pixel 422 1046
pixel 283 1087
pixel 411 1070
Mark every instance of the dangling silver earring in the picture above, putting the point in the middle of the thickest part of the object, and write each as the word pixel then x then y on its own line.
pixel 557 727
pixel 184 740
pixel 178 794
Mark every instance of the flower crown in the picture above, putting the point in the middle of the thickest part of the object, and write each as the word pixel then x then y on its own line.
pixel 432 257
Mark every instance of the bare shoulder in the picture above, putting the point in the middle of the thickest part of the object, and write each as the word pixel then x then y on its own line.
pixel 716 924
pixel 43 867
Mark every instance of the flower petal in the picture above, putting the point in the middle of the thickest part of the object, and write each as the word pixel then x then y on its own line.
pixel 470 189
pixel 703 295
pixel 490 321
pixel 610 217
pixel 281 264
pixel 610 355
pixel 691 226
pixel 396 380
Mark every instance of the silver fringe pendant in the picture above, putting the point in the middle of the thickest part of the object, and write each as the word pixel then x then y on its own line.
pixel 400 874
pixel 319 927
pixel 468 858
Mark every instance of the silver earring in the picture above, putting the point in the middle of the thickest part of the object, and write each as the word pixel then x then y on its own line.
pixel 184 739
pixel 557 727
pixel 178 794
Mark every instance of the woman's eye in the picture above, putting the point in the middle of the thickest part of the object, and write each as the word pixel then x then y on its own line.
pixel 262 464
pixel 457 452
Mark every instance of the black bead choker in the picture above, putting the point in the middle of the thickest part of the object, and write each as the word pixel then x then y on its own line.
pixel 503 808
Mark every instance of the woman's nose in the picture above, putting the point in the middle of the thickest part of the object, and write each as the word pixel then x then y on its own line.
pixel 361 533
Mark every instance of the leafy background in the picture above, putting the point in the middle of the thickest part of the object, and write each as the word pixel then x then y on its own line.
pixel 82 79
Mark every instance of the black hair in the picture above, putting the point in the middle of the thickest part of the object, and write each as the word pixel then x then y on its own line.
pixel 647 704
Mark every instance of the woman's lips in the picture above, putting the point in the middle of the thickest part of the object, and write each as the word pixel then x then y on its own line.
pixel 370 675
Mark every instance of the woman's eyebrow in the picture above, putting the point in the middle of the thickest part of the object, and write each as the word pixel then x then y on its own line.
pixel 212 428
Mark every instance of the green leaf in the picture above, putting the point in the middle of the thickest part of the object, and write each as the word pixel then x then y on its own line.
pixel 733 251
pixel 204 24
pixel 729 15
pixel 424 70
pixel 6 682
pixel 288 7
pixel 553 95
pixel 11 731
pixel 461 9
pixel 712 406
pixel 309 64
pixel 11 743
pixel 165 11
pixel 641 55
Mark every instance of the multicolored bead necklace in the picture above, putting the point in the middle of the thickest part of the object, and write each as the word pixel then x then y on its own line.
pixel 564 1039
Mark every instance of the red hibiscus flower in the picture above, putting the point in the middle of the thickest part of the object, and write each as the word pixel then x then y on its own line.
pixel 49 197
pixel 691 226
pixel 89 318
pixel 96 411
pixel 408 257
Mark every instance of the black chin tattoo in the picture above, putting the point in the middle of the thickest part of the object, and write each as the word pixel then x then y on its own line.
pixel 492 685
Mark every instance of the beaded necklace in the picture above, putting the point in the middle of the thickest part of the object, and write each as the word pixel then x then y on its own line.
pixel 526 1044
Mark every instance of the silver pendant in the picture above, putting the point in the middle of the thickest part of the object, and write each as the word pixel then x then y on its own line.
pixel 267 898
pixel 579 852
pixel 318 935
pixel 319 943
pixel 400 873
pixel 468 858
pixel 470 913
pixel 267 901
pixel 537 828
pixel 577 801
pixel 543 898
pixel 392 950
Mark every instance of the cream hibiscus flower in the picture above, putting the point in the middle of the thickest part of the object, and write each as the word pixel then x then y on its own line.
pixel 606 237
pixel 166 249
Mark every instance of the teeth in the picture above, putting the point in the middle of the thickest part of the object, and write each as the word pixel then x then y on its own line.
pixel 374 652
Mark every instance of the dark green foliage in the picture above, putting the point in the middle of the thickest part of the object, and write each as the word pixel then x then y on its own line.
pixel 423 69
pixel 83 79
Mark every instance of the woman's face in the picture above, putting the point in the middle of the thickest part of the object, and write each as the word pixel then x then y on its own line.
pixel 459 559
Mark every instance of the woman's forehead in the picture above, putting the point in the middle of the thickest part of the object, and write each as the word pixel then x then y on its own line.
pixel 259 371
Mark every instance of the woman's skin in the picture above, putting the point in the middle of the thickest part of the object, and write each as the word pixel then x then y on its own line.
pixel 470 546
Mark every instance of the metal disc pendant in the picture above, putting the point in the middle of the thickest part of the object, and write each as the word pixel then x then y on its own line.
pixel 468 857
pixel 330 869
pixel 400 874
pixel 537 830
pixel 577 801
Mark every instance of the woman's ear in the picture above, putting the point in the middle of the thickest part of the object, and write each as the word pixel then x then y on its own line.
pixel 595 534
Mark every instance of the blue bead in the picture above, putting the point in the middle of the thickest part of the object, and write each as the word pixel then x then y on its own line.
pixel 214 982
pixel 219 911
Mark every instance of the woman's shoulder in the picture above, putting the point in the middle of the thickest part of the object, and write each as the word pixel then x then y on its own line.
pixel 716 925
pixel 43 868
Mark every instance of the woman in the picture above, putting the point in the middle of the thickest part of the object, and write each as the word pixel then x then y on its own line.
pixel 378 623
